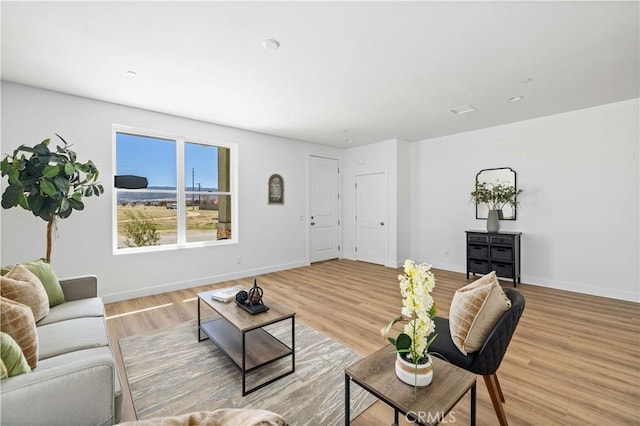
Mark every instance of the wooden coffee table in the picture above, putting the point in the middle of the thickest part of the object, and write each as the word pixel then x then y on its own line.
pixel 431 404
pixel 241 337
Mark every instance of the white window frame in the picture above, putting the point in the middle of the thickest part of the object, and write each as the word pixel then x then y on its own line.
pixel 180 190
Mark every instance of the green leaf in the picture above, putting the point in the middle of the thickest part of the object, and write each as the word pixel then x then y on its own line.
pixel 35 201
pixel 88 192
pixel 14 177
pixel 431 339
pixel 64 205
pixel 77 196
pixel 22 200
pixel 75 204
pixel 10 196
pixel 62 184
pixel 403 342
pixel 42 148
pixel 69 169
pixel 47 187
pixel 387 327
pixel 51 171
pixel 5 165
pixel 63 214
pixel 23 148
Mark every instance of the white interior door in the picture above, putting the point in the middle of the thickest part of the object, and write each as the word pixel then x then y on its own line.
pixel 324 207
pixel 371 217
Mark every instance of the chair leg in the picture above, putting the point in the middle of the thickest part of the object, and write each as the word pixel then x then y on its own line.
pixel 495 375
pixel 492 385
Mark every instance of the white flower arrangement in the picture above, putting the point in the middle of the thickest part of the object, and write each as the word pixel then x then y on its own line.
pixel 418 311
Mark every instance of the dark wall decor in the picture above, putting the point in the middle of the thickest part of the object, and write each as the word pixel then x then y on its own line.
pixel 276 189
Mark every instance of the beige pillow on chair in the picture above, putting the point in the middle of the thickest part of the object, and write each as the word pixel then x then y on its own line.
pixel 475 310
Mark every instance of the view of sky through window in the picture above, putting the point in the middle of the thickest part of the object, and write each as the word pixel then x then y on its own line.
pixel 155 159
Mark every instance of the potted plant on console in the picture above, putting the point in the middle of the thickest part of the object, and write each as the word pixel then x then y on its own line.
pixel 495 195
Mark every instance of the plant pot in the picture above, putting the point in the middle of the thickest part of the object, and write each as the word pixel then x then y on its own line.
pixel 419 375
pixel 493 223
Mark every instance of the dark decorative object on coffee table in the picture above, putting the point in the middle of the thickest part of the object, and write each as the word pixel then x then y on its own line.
pixel 251 301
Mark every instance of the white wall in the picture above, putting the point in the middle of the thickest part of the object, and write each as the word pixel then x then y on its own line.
pixel 271 237
pixel 578 212
pixel 390 157
pixel 579 209
pixel 403 205
pixel 374 158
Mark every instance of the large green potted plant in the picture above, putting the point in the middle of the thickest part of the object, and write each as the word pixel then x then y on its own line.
pixel 50 184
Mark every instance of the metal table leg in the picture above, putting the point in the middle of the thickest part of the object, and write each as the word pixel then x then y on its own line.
pixel 347 400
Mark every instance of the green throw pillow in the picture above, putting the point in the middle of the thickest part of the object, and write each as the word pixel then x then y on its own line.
pixel 44 272
pixel 12 357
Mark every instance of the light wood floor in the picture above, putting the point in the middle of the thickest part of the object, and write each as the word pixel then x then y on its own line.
pixel 574 359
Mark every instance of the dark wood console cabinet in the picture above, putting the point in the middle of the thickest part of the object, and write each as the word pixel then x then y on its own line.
pixel 498 252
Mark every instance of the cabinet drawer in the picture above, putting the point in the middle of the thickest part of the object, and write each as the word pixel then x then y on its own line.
pixel 502 240
pixel 501 253
pixel 479 267
pixel 478 252
pixel 503 270
pixel 475 238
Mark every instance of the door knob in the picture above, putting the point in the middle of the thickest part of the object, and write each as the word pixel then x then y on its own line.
pixel 382 223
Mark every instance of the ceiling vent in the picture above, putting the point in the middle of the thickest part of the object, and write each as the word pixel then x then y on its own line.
pixel 462 109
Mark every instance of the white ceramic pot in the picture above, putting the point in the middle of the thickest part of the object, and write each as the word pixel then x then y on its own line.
pixel 406 371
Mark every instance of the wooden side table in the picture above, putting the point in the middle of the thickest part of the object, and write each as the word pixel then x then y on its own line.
pixel 431 404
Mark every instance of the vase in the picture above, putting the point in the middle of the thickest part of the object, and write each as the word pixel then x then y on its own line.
pixel 493 224
pixel 414 374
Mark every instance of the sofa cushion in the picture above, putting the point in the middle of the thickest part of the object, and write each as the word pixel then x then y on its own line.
pixel 22 286
pixel 92 307
pixel 71 335
pixel 13 361
pixel 16 320
pixel 47 276
pixel 474 311
pixel 75 356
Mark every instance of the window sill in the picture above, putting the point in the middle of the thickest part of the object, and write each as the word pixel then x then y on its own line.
pixel 173 247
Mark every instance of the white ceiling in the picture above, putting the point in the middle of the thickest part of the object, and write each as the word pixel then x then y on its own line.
pixel 365 71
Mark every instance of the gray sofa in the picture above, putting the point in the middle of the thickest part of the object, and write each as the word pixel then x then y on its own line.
pixel 76 381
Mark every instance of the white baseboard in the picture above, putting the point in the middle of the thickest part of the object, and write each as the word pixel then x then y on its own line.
pixel 165 288
pixel 582 289
pixel 560 285
pixel 532 280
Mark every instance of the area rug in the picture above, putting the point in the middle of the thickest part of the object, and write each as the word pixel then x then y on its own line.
pixel 171 373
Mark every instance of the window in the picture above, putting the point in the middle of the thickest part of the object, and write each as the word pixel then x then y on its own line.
pixel 189 199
